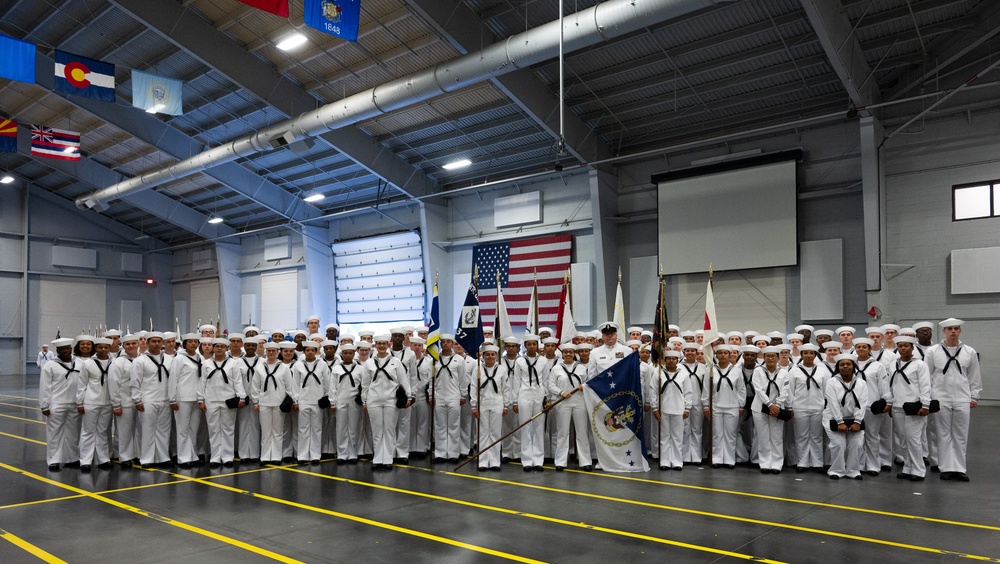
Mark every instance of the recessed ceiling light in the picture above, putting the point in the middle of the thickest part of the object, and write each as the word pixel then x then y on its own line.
pixel 291 41
pixel 457 164
pixel 314 197
pixel 7 179
pixel 215 219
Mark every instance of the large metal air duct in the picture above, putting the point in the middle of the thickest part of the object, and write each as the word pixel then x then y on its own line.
pixel 582 29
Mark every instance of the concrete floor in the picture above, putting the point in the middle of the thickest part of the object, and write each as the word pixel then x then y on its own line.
pixel 424 512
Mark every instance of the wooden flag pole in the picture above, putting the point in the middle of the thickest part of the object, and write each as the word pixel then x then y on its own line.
pixel 479 401
pixel 516 429
pixel 711 390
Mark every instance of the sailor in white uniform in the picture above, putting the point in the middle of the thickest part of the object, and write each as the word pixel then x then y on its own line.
pixel 379 384
pixel 908 396
pixel 185 369
pixel 219 388
pixel 310 384
pixel 152 388
pixel 671 401
pixel 846 404
pixel 807 395
pixel 268 389
pixel 93 402
pixel 345 393
pixel 568 378
pixel 726 403
pixel 57 387
pixel 490 404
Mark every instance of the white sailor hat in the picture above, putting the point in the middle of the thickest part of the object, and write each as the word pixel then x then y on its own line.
pixel 347 347
pixel 313 317
pixel 750 349
pixel 675 340
pixel 234 336
pixel 608 327
pixel 278 332
pixel 409 329
pixel 751 333
pixel 646 333
pixel 423 328
pixel 804 327
pixel 672 326
pixel 550 341
pixel 508 340
pixel 488 328
pixel 347 337
pixel 129 338
pixel 331 326
pixel 672 354
pixel 699 332
pixel 633 343
pixel 732 334
pixel 487 341
pixel 761 337
pixel 798 336
pixel 112 333
pixel 102 341
pixel 645 347
pixel 490 348
pixel 874 331
pixel 906 339
pixel 447 337
pixel 329 343
pixel 864 341
pixel 723 348
pixel 220 341
pixel 809 347
pixel 771 350
pixel 316 337
pixel 250 328
pixel 310 345
pixel 154 335
pixel 296 332
pixel 203 340
pixel 141 334
pixel 889 326
pixel 568 347
pixel 908 331
pixel 687 334
pixel 364 345
pixel 83 338
pixel 826 332
pixel 596 334
pixel 287 345
pixel 847 328
pixel 584 347
pixel 206 327
pixel 842 356
pixel 190 336
pixel 548 330
pixel 918 325
pixel 382 337
pixel 951 322
pixel 169 335
pixel 785 347
pixel 831 345
pixel 634 329
pixel 687 346
pixel 417 341
pixel 371 332
pixel 776 335
pixel 529 337
pixel 396 331
pixel 271 345
pixel 580 335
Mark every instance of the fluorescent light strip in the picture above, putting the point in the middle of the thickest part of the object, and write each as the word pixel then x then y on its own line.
pixel 314 197
pixel 291 42
pixel 216 220
pixel 457 164
pixel 7 179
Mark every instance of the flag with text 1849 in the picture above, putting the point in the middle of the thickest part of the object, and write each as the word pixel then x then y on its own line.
pixel 52 143
pixel 85 77
pixel 276 7
pixel 518 262
pixel 469 332
pixel 8 136
pixel 614 405
pixel 339 18
pixel 433 344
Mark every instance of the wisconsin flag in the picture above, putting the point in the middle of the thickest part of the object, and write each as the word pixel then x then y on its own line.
pixel 8 136
pixel 614 403
pixel 85 77
pixel 52 143
pixel 156 94
pixel 336 17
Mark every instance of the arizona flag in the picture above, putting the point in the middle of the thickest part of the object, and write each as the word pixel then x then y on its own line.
pixel 52 143
pixel 85 77
pixel 711 321
pixel 8 136
pixel 614 403
pixel 276 7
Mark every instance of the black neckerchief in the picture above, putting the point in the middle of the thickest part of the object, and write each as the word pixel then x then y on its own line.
pixel 490 379
pixel 951 358
pixel 381 369
pixel 269 375
pixel 571 374
pixel 219 369
pixel 901 370
pixel 667 380
pixel 160 368
pixel 849 392
pixel 312 372
pixel 809 377
pixel 694 374
pixel 724 376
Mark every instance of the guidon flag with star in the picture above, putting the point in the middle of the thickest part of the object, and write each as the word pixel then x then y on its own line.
pixel 614 408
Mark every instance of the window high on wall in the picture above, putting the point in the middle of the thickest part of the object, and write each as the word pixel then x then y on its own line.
pixel 975 201
pixel 380 280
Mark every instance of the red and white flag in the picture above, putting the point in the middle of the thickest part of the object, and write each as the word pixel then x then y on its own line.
pixel 52 143
pixel 566 327
pixel 711 321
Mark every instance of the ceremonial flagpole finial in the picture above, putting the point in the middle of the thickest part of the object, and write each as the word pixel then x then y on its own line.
pixel 661 270
pixel 619 274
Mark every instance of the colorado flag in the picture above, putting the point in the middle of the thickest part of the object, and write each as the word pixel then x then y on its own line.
pixel 85 77
pixel 614 405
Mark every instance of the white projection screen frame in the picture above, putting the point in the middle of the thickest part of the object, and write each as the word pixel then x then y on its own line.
pixel 735 215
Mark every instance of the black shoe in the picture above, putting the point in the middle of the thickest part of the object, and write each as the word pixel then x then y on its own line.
pixel 495 468
pixel 960 476
pixel 886 468
pixel 105 465
pixel 859 477
pixel 302 462
pixel 560 468
pixel 916 478
pixel 288 459
pixel 538 469
pixel 505 459
pixel 404 460
pixel 678 468
pixel 834 477
pixel 935 468
pixel 228 464
pixel 165 465
pixel 127 465
pixel 871 473
pixel 74 464
pixel 341 461
pixel 898 462
pixel 314 462
pixel 716 466
pixel 53 467
pixel 184 465
pixel 85 468
pixel 947 475
pixel 589 468
pixel 904 476
pixel 214 464
pixel 352 460
pixel 453 461
pixel 730 466
pixel 437 460
pixel 483 469
pixel 664 468
pixel 526 468
pixel 387 467
pixel 765 471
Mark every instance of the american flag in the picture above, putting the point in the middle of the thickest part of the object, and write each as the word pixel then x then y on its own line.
pixel 52 143
pixel 517 262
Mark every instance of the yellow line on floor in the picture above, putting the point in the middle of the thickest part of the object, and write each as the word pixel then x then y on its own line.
pixel 132 509
pixel 20 438
pixel 722 516
pixel 546 518
pixel 27 407
pixel 30 548
pixel 372 522
pixel 22 418
pixel 792 500
pixel 8 396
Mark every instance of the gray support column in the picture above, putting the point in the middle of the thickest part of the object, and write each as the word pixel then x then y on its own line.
pixel 434 227
pixel 227 256
pixel 604 199
pixel 872 178
pixel 319 271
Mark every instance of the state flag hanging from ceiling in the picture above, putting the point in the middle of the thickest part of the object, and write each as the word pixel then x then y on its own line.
pixel 8 136
pixel 17 59
pixel 276 7
pixel 52 143
pixel 157 94
pixel 336 17
pixel 85 77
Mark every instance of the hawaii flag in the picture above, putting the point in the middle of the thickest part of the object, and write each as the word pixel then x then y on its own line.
pixel 85 77
pixel 614 402
pixel 52 143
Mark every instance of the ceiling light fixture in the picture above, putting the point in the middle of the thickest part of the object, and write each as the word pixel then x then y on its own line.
pixel 155 108
pixel 291 41
pixel 457 164
pixel 7 179
pixel 215 220
pixel 314 197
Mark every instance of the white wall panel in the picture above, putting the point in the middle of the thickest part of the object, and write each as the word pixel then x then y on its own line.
pixel 821 267
pixel 381 277
pixel 743 300
pixel 975 271
pixel 70 305
pixel 583 294
pixel 74 257
pixel 204 302
pixel 248 309
pixel 182 317
pixel 131 315
pixel 643 284
pixel 279 302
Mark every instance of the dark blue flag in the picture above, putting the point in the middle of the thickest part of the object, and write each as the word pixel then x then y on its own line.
pixel 469 333
pixel 336 17
pixel 614 404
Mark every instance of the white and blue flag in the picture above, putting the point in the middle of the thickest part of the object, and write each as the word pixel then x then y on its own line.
pixel 614 404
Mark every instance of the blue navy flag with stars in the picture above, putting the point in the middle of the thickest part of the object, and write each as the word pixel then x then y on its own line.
pixel 469 332
pixel 614 403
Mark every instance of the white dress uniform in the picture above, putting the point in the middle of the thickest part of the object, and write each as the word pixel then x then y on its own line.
pixel 248 420
pixel 152 386
pixel 268 388
pixel 670 393
pixel 511 446
pixel 310 382
pixel 289 426
pixel 694 451
pixel 955 383
pixel 889 441
pixel 531 386
pixel 843 401
pixel 329 439
pixel 874 374
pixel 566 378
pixel 603 357
pixel 345 389
pixel 93 396
pixel 494 396
pixel 746 447
pixel 909 382
pixel 220 382
pixel 43 357
pixel 467 425
pixel 186 373
pixel 378 394
pixel 449 387
pixel 770 388
pixel 57 387
pixel 420 418
pixel 727 401
pixel 806 397
pixel 408 360
pixel 647 371
pixel 126 424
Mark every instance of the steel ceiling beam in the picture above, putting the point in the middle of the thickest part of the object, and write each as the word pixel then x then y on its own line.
pixel 189 31
pixel 842 49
